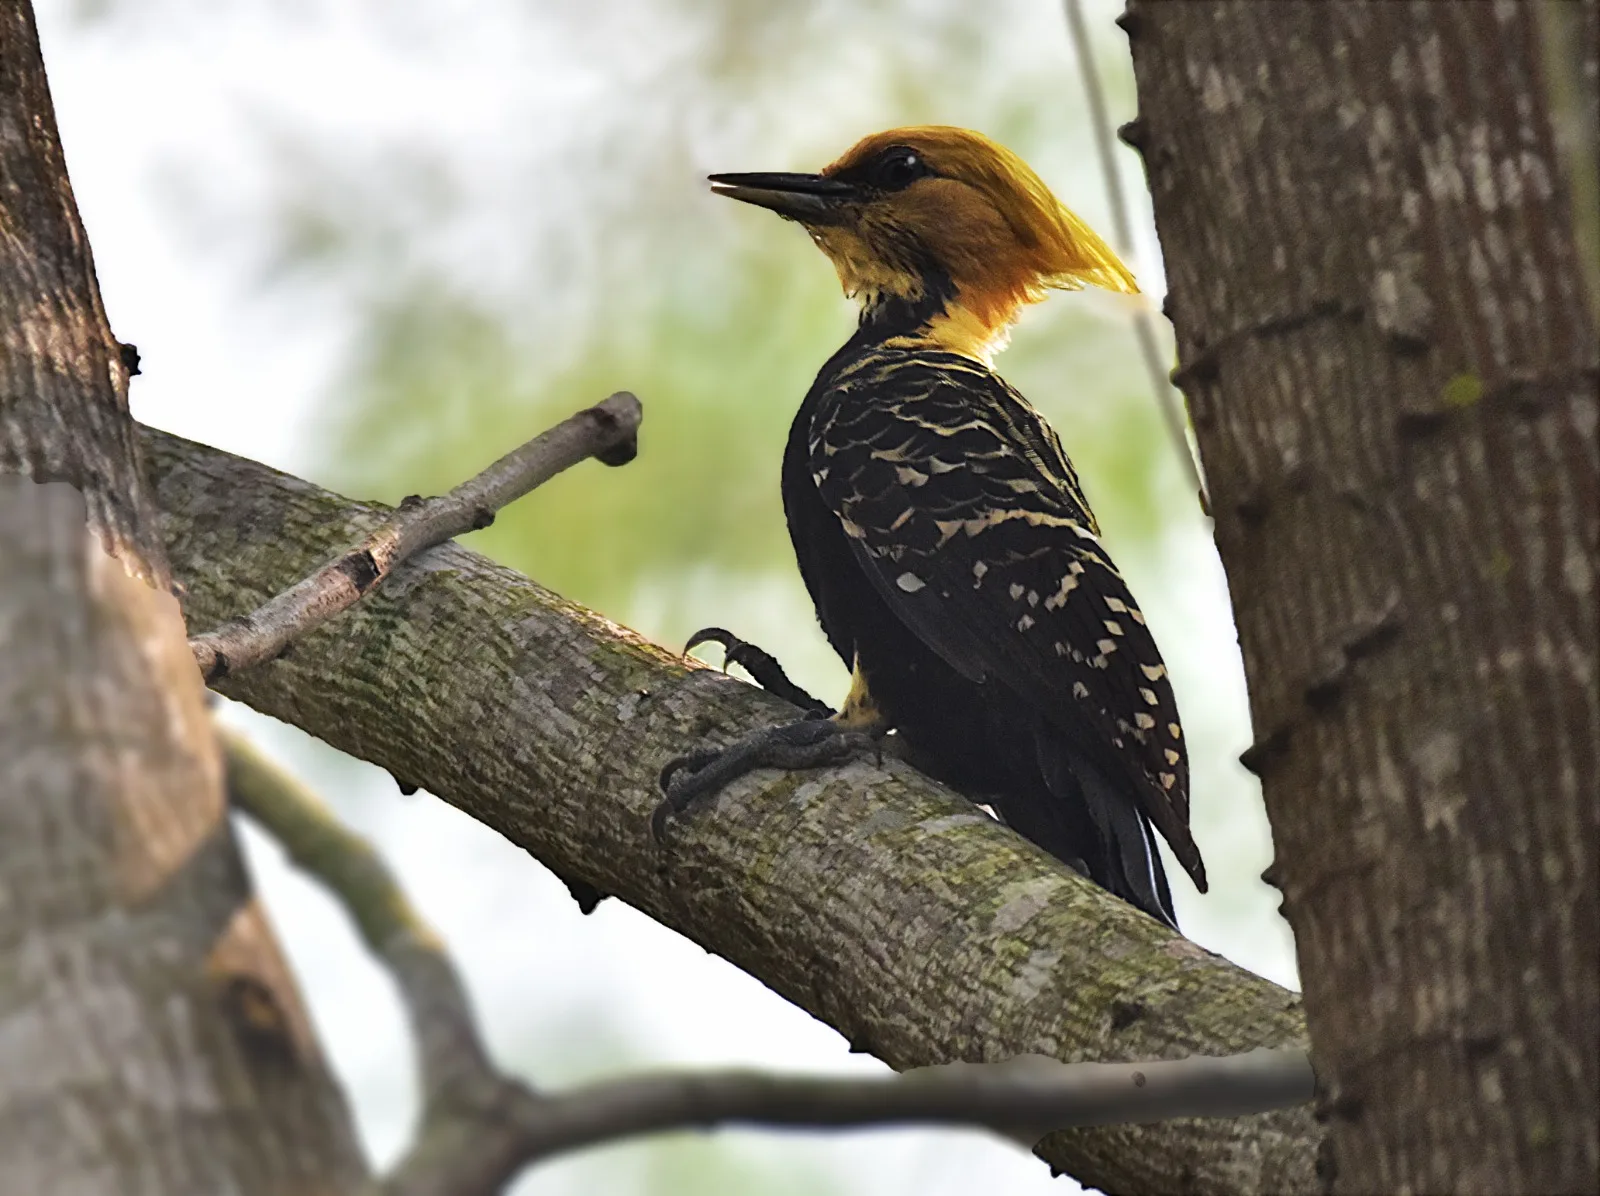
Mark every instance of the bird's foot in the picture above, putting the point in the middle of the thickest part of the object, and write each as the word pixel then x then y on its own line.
pixel 811 743
pixel 761 665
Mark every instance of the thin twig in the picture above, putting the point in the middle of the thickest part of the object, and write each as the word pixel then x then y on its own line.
pixel 1168 400
pixel 1023 1099
pixel 607 431
pixel 481 1127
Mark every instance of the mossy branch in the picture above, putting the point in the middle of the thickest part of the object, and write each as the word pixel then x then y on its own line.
pixel 872 897
pixel 480 1126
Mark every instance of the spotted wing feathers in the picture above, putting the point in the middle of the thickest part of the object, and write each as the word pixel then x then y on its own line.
pixel 961 506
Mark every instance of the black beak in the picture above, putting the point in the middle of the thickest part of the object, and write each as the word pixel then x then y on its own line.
pixel 808 198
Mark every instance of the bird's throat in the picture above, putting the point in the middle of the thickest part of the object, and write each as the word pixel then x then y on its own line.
pixel 947 324
pixel 959 329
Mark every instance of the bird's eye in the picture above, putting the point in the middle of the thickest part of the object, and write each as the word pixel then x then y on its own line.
pixel 898 168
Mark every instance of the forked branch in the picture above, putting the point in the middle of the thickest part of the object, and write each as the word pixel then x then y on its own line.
pixel 607 431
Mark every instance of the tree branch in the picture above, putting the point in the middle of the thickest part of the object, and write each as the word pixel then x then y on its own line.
pixel 451 1054
pixel 872 897
pixel 1168 399
pixel 480 1127
pixel 1010 1098
pixel 472 1115
pixel 476 1156
pixel 607 431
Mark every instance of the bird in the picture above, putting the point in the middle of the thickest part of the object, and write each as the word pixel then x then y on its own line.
pixel 939 526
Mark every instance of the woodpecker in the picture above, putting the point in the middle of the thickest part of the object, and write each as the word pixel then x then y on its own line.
pixel 954 563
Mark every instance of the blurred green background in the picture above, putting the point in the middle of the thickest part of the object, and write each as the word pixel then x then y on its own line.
pixel 380 242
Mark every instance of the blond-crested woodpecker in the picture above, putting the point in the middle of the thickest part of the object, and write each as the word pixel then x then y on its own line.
pixel 955 566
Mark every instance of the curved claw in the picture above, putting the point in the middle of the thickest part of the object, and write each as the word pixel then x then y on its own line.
pixel 664 810
pixel 714 635
pixel 694 761
pixel 675 800
pixel 762 666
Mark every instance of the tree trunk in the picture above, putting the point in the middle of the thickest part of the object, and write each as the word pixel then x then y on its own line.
pixel 151 1040
pixel 1392 369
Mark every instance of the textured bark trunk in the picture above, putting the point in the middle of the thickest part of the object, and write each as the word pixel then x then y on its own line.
pixel 1392 369
pixel 151 1040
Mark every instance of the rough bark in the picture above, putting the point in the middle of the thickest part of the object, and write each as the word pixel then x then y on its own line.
pixel 65 385
pixel 1392 372
pixel 151 1040
pixel 873 898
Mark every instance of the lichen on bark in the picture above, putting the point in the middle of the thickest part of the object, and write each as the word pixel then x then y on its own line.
pixel 870 896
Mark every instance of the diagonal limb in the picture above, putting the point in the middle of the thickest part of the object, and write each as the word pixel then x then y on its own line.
pixel 481 1126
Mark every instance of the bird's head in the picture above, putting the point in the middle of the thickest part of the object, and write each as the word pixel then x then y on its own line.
pixel 939 228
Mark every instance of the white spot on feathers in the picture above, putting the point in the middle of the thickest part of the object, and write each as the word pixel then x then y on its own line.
pixel 909 582
pixel 1059 599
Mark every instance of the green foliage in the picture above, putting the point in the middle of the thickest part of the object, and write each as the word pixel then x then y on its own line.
pixel 442 388
pixel 620 271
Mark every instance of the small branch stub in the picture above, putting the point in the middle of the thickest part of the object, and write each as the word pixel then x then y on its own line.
pixel 607 431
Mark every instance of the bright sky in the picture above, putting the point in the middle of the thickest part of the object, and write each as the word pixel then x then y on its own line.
pixel 561 997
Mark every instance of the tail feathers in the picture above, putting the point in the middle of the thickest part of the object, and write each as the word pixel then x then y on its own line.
pixel 1130 847
pixel 1163 892
pixel 1121 852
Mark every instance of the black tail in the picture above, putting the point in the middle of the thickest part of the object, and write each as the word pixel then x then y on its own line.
pixel 1091 824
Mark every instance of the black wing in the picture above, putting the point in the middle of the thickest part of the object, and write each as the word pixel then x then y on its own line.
pixel 962 508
